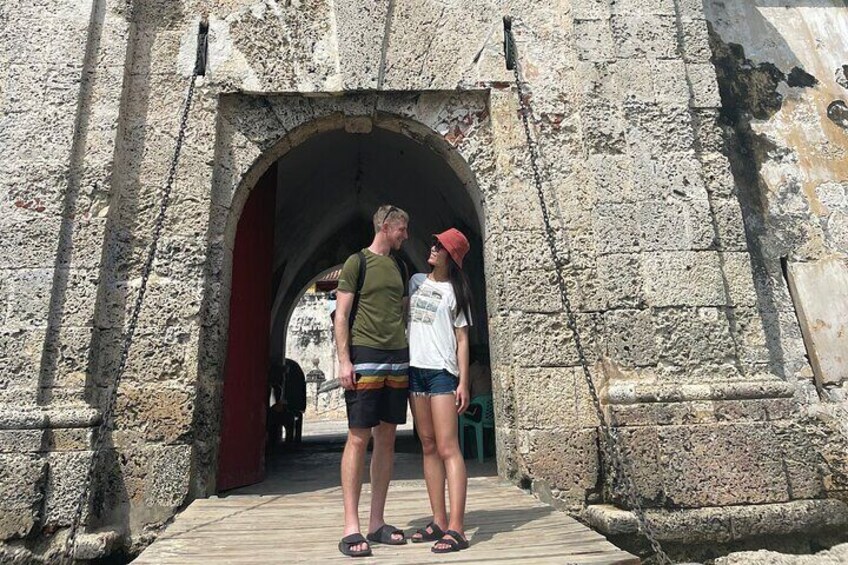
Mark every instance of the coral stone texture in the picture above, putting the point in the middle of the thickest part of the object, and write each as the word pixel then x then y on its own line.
pixel 691 155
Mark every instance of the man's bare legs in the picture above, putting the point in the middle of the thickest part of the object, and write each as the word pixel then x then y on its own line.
pixel 382 467
pixel 353 459
pixel 434 468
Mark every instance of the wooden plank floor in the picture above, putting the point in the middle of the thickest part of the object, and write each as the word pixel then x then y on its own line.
pixel 296 517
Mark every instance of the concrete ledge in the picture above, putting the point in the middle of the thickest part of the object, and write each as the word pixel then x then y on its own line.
pixel 95 545
pixel 721 524
pixel 631 392
pixel 39 418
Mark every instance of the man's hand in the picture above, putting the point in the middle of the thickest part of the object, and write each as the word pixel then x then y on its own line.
pixel 346 375
pixel 462 398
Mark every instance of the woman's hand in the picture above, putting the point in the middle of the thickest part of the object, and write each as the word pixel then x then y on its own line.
pixel 462 398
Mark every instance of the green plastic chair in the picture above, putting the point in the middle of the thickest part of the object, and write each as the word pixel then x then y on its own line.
pixel 487 421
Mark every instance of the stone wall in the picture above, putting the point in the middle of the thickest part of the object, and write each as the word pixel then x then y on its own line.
pixel 647 214
pixel 310 338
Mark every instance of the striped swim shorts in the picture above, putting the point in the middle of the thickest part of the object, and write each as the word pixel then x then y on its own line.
pixel 381 385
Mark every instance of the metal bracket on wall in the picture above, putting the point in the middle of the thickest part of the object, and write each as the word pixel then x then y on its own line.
pixel 202 48
pixel 509 44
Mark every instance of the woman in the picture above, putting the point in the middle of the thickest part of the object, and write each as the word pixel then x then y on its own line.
pixel 439 316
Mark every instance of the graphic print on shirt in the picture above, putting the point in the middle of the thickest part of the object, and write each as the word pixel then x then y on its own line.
pixel 425 302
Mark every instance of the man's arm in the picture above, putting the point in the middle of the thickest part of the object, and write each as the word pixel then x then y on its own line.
pixel 341 327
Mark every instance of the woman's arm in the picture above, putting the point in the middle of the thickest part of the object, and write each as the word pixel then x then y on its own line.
pixel 462 393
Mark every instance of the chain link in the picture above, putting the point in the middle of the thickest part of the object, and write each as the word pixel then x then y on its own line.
pixel 610 442
pixel 106 418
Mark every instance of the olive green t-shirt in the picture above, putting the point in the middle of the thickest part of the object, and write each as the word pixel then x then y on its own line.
pixel 379 317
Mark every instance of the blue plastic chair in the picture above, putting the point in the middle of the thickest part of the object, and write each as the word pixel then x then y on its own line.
pixel 487 421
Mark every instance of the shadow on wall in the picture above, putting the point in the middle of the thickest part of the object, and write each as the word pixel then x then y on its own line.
pixel 754 92
pixel 119 473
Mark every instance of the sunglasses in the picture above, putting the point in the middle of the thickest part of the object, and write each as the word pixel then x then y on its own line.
pixel 437 245
pixel 391 210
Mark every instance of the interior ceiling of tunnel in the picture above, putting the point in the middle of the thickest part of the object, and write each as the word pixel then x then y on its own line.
pixel 327 191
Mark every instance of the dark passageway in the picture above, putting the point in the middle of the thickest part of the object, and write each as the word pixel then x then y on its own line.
pixel 326 190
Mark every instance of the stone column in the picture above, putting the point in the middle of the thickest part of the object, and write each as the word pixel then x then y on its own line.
pixel 62 80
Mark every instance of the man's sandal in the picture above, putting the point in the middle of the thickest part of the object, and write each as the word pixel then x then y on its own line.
pixel 384 536
pixel 430 532
pixel 347 543
pixel 453 540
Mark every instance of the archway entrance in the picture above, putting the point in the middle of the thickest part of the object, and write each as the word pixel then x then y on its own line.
pixel 326 190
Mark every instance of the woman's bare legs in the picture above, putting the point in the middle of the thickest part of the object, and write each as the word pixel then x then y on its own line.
pixel 444 419
pixel 434 469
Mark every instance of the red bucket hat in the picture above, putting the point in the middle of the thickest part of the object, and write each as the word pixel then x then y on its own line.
pixel 454 243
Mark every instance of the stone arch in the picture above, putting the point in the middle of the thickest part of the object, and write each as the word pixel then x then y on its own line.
pixel 254 133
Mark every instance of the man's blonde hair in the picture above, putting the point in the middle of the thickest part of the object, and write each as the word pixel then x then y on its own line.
pixel 388 213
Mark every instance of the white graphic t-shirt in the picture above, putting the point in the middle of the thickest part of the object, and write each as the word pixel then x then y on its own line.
pixel 433 316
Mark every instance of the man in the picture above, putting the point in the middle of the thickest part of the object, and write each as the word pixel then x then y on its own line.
pixel 294 394
pixel 288 391
pixel 373 362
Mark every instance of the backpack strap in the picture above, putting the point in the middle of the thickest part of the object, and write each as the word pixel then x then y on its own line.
pixel 360 282
pixel 404 273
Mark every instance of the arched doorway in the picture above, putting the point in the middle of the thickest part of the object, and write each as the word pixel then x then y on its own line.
pixel 326 188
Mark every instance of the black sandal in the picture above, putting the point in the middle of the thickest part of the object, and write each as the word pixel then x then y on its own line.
pixel 435 533
pixel 458 543
pixel 384 536
pixel 347 543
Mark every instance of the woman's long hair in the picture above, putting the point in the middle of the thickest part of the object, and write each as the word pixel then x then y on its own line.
pixel 461 288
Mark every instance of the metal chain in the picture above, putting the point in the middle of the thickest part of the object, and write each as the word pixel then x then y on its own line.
pixel 106 418
pixel 610 444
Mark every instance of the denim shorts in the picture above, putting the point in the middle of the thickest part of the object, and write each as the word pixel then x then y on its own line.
pixel 430 382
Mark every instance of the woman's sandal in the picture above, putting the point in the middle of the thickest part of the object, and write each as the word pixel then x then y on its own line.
pixel 384 535
pixel 458 543
pixel 434 533
pixel 347 543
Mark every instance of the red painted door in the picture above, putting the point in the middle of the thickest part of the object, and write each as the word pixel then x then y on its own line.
pixel 241 459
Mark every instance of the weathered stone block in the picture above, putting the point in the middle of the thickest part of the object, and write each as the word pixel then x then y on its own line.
pixel 168 473
pixel 640 450
pixel 542 340
pixel 721 465
pixel 647 35
pixel 603 126
pixel 590 9
pixel 669 81
pixel 525 250
pixel 730 224
pixel 696 341
pixel 593 40
pixel 658 129
pixel 696 40
pixel 65 480
pixel 629 7
pixel 619 280
pixel 553 399
pixel 683 278
pixel 717 175
pixel 568 463
pixel 22 479
pixel 161 413
pixel 613 177
pixel 738 275
pixel 708 134
pixel 630 337
pixel 616 227
pixel 675 224
pixel 532 291
pixel 702 82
